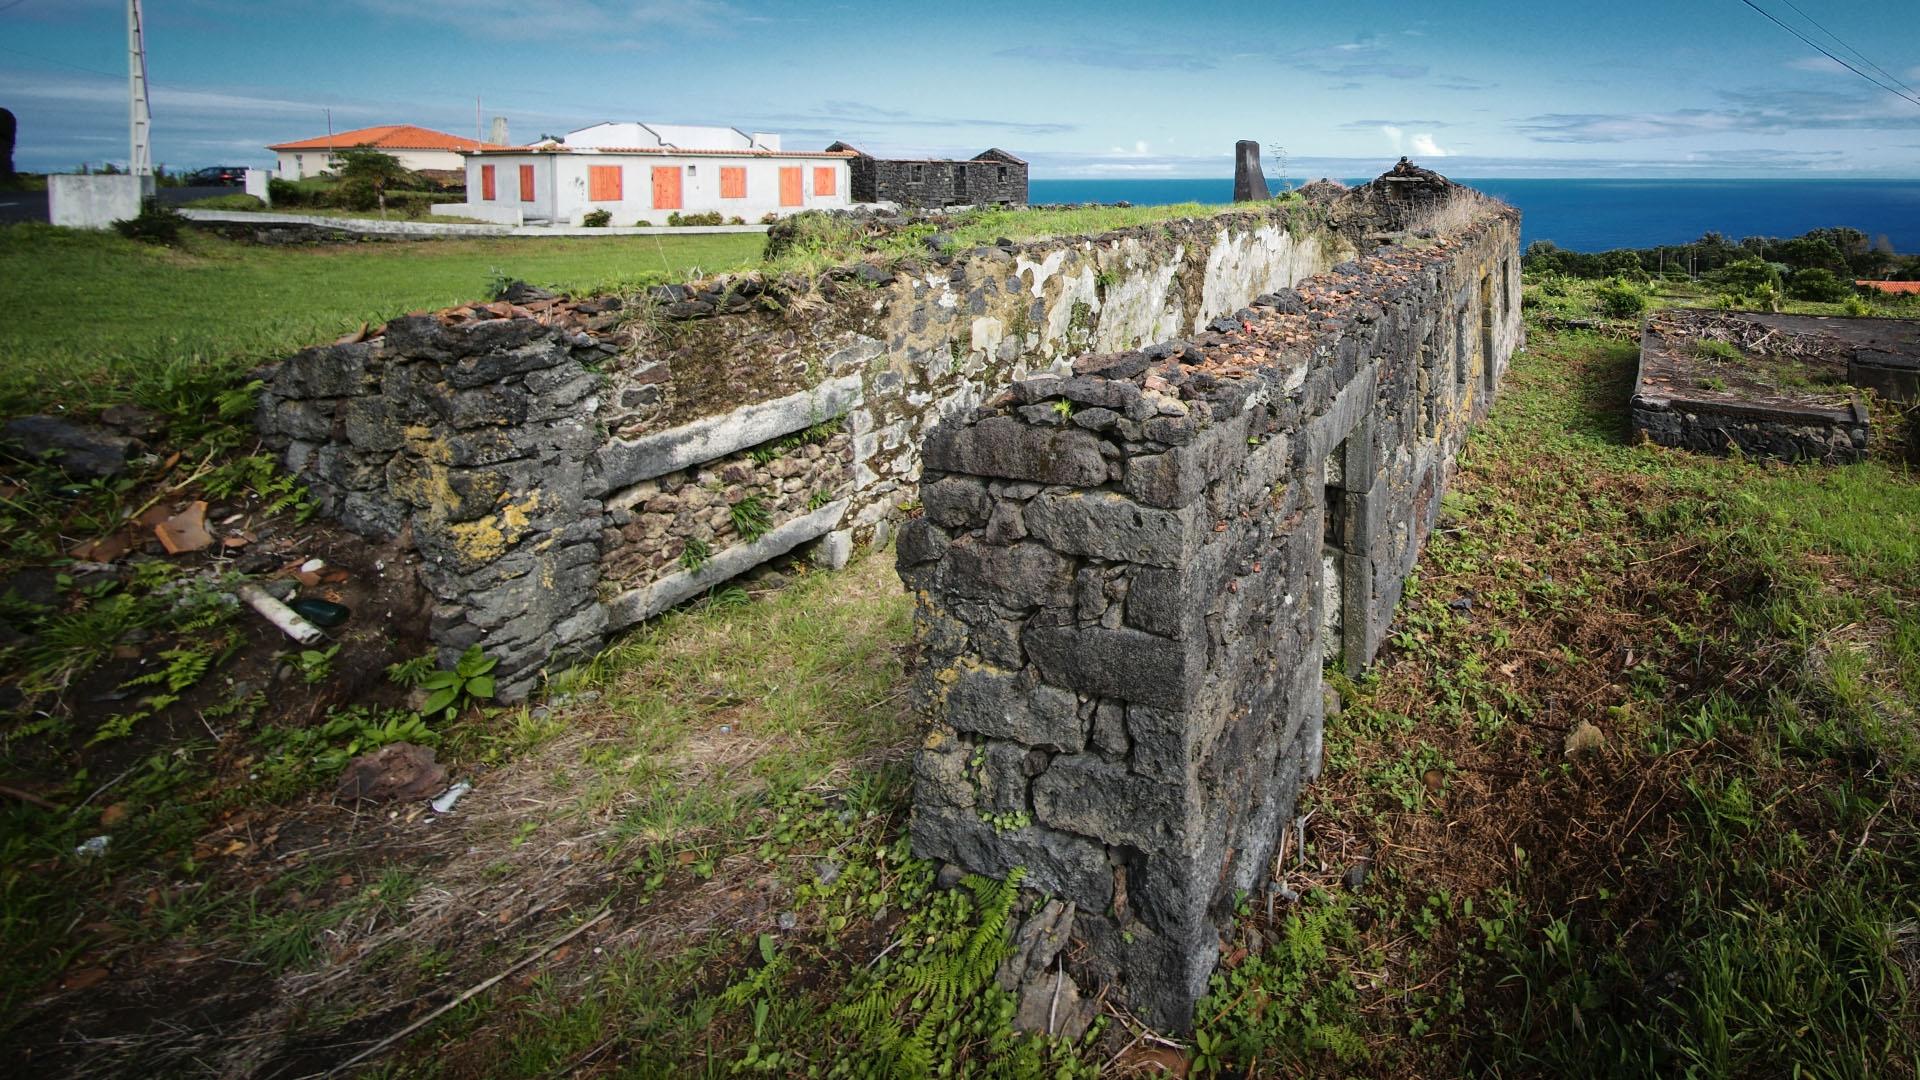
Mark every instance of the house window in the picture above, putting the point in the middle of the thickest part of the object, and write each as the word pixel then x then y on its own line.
pixel 733 182
pixel 526 183
pixel 1003 174
pixel 825 181
pixel 919 173
pixel 603 183
pixel 487 183
pixel 790 190
pixel 666 187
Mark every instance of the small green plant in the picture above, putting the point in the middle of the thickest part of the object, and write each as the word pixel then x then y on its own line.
pixel 751 518
pixel 156 224
pixel 1063 407
pixel 450 691
pixel 315 665
pixel 597 219
pixel 1710 349
pixel 411 672
pixel 1857 307
pixel 695 554
pixel 1620 298
pixel 711 217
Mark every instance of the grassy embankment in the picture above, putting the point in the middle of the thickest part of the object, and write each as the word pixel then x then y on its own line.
pixel 108 319
pixel 1723 880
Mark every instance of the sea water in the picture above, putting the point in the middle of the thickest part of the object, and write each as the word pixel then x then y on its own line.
pixel 1595 215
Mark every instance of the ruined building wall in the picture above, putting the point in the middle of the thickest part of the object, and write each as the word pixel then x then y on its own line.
pixel 1127 579
pixel 568 469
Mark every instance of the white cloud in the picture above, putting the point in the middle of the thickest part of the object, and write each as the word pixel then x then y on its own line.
pixel 1420 144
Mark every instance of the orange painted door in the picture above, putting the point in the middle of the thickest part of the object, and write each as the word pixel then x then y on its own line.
pixel 486 182
pixel 526 183
pixel 733 182
pixel 603 183
pixel 825 181
pixel 666 187
pixel 790 190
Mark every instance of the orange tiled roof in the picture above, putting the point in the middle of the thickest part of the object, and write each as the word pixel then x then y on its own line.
pixel 389 137
pixel 1891 286
pixel 555 148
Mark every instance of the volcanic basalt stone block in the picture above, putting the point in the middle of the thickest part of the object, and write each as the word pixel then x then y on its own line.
pixel 1004 447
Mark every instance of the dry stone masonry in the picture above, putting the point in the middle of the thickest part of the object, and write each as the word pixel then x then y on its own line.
pixel 571 467
pixel 1770 385
pixel 1129 572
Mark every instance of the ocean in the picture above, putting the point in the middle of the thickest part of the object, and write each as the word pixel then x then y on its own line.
pixel 1596 215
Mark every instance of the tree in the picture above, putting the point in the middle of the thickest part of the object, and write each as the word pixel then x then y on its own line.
pixel 370 171
pixel 9 128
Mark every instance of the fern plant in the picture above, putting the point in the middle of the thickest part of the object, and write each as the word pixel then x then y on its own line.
pixel 751 518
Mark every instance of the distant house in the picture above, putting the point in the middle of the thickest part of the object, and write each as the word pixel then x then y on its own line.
pixel 1893 287
pixel 417 148
pixel 644 172
pixel 993 178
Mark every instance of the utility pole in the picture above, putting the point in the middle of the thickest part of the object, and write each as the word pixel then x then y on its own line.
pixel 140 161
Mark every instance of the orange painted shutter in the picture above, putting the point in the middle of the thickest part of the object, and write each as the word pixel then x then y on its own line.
pixel 486 182
pixel 790 192
pixel 733 182
pixel 526 183
pixel 666 187
pixel 824 181
pixel 603 183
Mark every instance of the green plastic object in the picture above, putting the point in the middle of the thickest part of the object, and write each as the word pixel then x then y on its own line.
pixel 322 613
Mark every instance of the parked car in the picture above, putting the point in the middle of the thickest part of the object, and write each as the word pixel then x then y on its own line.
pixel 218 176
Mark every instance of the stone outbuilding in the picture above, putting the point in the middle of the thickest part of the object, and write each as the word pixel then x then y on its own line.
pixel 991 178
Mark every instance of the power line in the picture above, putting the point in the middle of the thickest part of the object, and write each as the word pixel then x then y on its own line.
pixel 1911 99
pixel 1862 57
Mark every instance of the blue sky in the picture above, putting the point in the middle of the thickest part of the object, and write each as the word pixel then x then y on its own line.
pixel 1115 89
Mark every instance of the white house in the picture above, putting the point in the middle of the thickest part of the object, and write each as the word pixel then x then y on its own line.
pixel 635 173
pixel 416 148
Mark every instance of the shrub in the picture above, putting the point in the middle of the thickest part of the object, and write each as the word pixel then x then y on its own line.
pixel 157 224
pixel 597 219
pixel 643 223
pixel 1858 307
pixel 1619 299
pixel 1818 284
pixel 736 220
pixel 1748 275
pixel 711 217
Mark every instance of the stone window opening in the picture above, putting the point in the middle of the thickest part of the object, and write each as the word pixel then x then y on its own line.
pixel 1486 333
pixel 1003 174
pixel 919 173
pixel 1461 343
pixel 1335 543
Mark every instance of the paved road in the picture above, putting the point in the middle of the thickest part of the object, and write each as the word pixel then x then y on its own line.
pixel 32 205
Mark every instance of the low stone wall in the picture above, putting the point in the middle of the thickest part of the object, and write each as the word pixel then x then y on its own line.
pixel 570 468
pixel 1810 433
pixel 1128 576
pixel 1777 386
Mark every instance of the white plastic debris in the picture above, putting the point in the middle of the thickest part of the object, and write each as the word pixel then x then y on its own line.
pixel 93 848
pixel 444 803
pixel 313 566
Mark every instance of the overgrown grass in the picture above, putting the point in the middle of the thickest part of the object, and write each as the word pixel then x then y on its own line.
pixel 831 240
pixel 107 318
pixel 1723 883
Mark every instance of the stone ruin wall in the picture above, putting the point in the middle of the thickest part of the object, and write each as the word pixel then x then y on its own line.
pixel 1129 575
pixel 553 460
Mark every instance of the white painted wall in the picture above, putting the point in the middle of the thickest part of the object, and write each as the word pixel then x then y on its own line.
pixel 562 188
pixel 92 202
pixel 257 185
pixel 300 164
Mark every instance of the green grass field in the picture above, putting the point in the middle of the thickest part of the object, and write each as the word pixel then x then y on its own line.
pixel 105 318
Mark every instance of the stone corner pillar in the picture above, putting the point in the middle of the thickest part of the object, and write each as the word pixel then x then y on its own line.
pixel 1249 183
